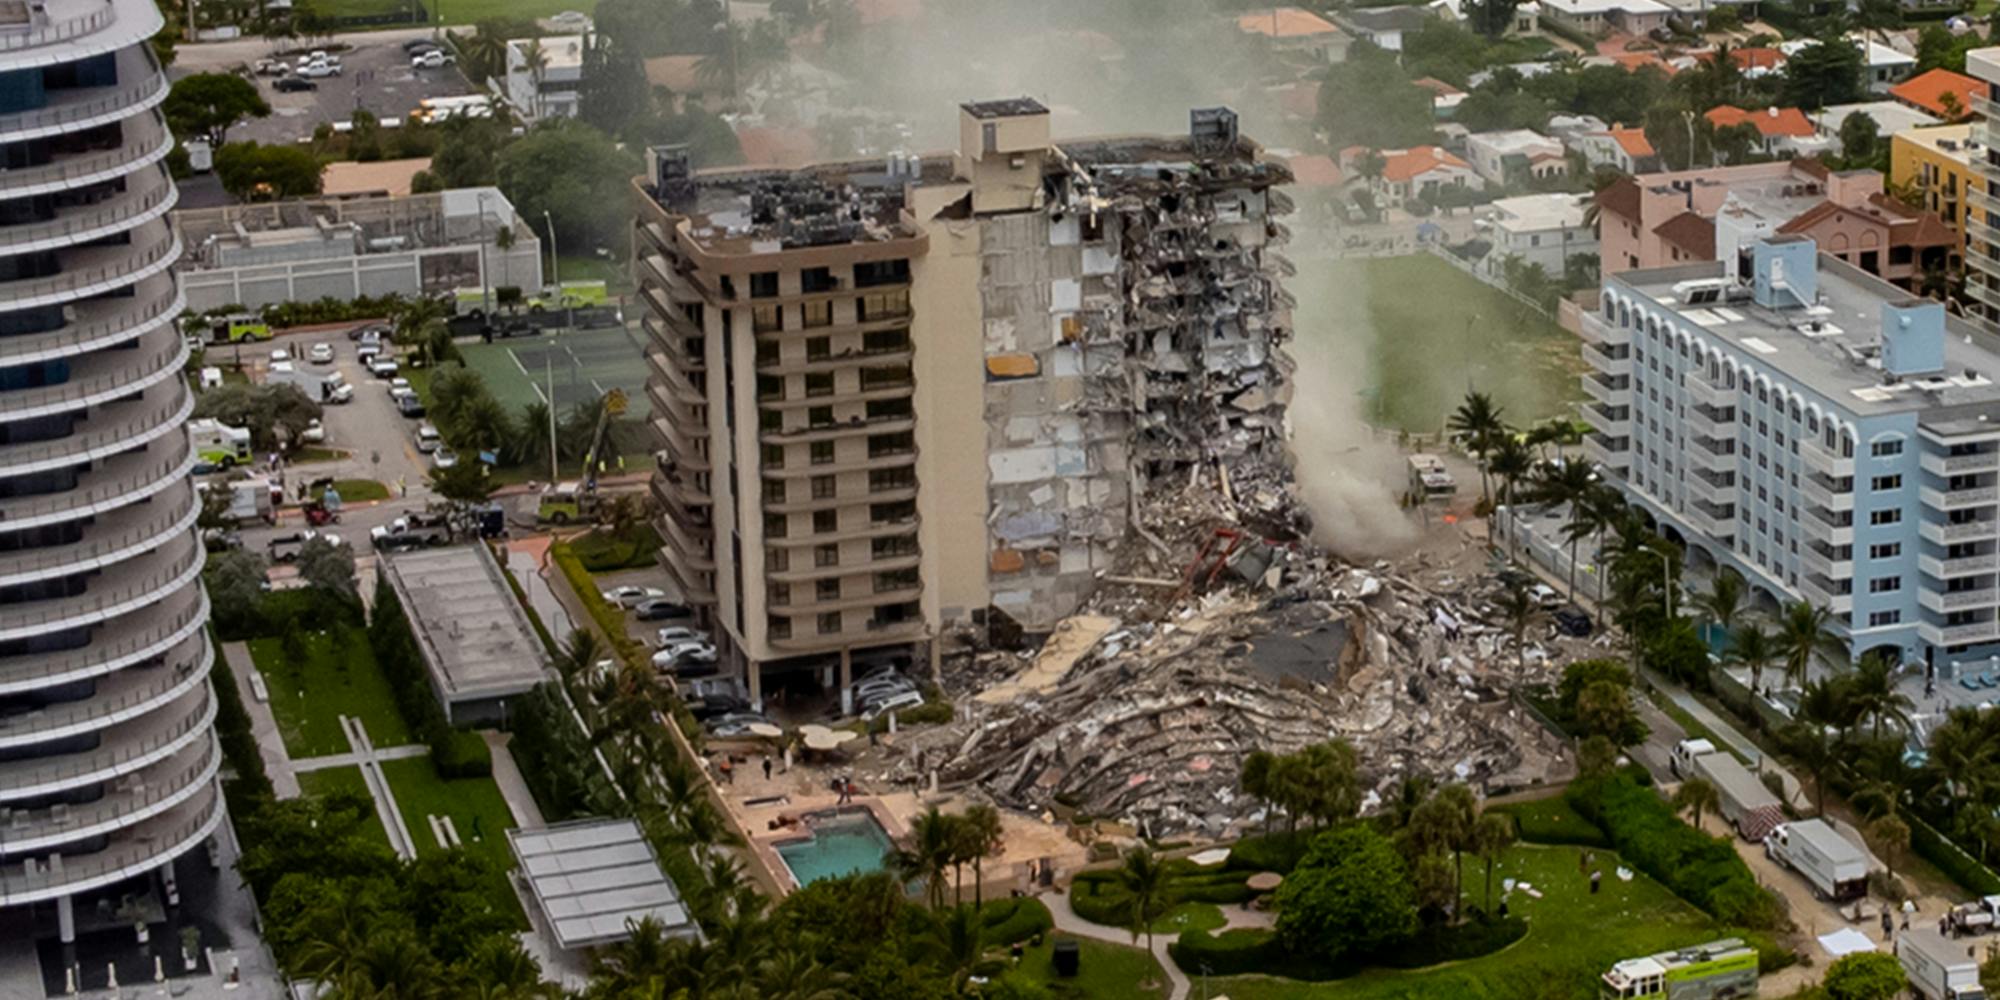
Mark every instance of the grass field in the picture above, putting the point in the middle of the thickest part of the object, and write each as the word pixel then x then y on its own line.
pixel 1106 971
pixel 584 364
pixel 1572 938
pixel 477 810
pixel 310 696
pixel 360 490
pixel 1428 332
pixel 454 11
pixel 343 779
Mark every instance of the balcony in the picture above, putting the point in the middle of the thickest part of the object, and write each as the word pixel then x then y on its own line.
pixel 1613 425
pixel 1827 562
pixel 1958 600
pixel 1825 461
pixel 840 500
pixel 1714 455
pixel 124 695
pixel 1607 453
pixel 855 637
pixel 840 429
pixel 1715 522
pixel 669 379
pixel 1597 358
pixel 695 582
pixel 1945 533
pixel 148 195
pixel 1608 391
pixel 859 394
pixel 160 411
pixel 100 323
pixel 96 379
pixel 1825 593
pixel 1949 568
pixel 1959 499
pixel 1825 496
pixel 1958 635
pixel 805 470
pixel 147 142
pixel 1705 393
pixel 876 599
pixel 1710 425
pixel 142 581
pixel 695 546
pixel 673 493
pixel 88 107
pixel 167 629
pixel 1716 489
pixel 112 538
pixel 840 361
pixel 124 748
pixel 133 851
pixel 116 481
pixel 93 270
pixel 680 446
pixel 870 529
pixel 1953 465
pixel 130 801
pixel 809 574
pixel 1596 329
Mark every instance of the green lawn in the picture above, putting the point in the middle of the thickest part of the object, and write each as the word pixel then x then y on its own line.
pixel 309 697
pixel 358 490
pixel 1572 938
pixel 475 806
pixel 1428 333
pixel 344 779
pixel 1106 971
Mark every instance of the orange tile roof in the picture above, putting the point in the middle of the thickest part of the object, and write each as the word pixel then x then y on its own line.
pixel 1757 58
pixel 1769 122
pixel 1437 86
pixel 1314 170
pixel 1286 22
pixel 1634 61
pixel 1926 91
pixel 1416 161
pixel 1633 141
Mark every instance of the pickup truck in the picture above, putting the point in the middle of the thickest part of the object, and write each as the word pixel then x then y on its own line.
pixel 411 531
pixel 286 548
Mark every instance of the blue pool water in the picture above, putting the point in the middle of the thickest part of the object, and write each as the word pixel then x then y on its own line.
pixel 841 846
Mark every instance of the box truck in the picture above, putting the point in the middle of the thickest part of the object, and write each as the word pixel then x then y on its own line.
pixel 1938 969
pixel 1745 802
pixel 1836 868
pixel 320 387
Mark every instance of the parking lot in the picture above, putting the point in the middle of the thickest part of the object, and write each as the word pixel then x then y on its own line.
pixel 375 75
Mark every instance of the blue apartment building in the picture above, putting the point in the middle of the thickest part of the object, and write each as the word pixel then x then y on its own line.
pixel 1816 428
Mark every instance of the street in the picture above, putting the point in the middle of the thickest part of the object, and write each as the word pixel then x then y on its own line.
pixel 376 75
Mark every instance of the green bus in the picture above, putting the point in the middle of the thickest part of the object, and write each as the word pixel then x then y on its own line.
pixel 235 328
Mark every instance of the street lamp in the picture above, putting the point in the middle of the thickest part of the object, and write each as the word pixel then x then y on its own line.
pixel 1666 580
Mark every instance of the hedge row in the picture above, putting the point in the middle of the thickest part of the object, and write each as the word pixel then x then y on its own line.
pixel 555 758
pixel 1008 921
pixel 1701 869
pixel 396 652
pixel 1276 852
pixel 276 612
pixel 610 620
pixel 1552 821
pixel 1259 950
pixel 239 743
pixel 1951 859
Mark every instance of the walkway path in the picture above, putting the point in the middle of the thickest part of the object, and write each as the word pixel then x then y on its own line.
pixel 1069 923
pixel 513 787
pixel 378 786
pixel 263 724
pixel 352 759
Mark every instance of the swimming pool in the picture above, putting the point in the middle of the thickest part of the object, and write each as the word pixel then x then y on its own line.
pixel 839 845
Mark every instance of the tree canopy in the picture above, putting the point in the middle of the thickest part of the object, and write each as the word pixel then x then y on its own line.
pixel 208 105
pixel 1867 975
pixel 1828 71
pixel 267 173
pixel 574 174
pixel 1396 115
pixel 1351 893
pixel 261 409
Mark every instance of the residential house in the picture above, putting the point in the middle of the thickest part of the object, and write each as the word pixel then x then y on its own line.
pixel 1515 156
pixel 1544 229
pixel 1445 98
pixel 1409 174
pixel 1755 62
pixel 1567 129
pixel 1293 31
pixel 1625 148
pixel 1526 20
pixel 1664 219
pixel 544 76
pixel 1890 117
pixel 1601 17
pixel 1780 131
pixel 1939 164
pixel 1883 66
pixel 1939 92
pixel 1384 26
pixel 1693 14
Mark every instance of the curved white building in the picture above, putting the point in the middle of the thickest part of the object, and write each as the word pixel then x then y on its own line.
pixel 107 761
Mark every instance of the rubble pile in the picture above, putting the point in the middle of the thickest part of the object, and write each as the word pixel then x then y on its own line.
pixel 1286 649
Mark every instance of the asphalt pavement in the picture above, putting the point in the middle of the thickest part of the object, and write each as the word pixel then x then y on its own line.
pixel 376 75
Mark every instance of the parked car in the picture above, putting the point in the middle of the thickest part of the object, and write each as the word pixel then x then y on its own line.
pixel 415 45
pixel 279 355
pixel 444 458
pixel 293 85
pixel 315 433
pixel 382 366
pixel 677 634
pixel 697 665
pixel 432 59
pixel 428 438
pixel 630 595
pixel 659 609
pixel 734 723
pixel 272 67
pixel 321 354
pixel 670 656
pixel 379 330
pixel 908 699
pixel 1571 621
pixel 316 70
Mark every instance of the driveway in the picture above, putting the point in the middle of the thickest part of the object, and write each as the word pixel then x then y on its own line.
pixel 376 76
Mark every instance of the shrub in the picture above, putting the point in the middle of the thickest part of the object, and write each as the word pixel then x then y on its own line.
pixel 1277 852
pixel 1957 865
pixel 1552 821
pixel 1436 943
pixel 1230 953
pixel 602 551
pixel 1010 920
pixel 1098 897
pixel 1701 869
pixel 458 753
pixel 234 731
pixel 610 620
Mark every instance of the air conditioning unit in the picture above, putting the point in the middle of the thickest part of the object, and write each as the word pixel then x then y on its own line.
pixel 1701 291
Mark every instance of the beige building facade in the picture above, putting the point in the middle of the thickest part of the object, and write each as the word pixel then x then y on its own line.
pixel 904 397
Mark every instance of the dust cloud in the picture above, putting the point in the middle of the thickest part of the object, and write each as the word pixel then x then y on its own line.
pixel 1120 67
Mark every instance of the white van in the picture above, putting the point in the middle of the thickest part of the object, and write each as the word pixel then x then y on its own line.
pixel 428 439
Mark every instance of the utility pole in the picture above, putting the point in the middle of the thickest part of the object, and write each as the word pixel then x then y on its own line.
pixel 549 375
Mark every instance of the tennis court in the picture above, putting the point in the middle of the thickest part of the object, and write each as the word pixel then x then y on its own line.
pixel 582 364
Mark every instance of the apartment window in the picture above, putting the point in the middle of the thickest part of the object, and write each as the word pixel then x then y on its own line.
pixel 775 525
pixel 774 456
pixel 829 623
pixel 900 443
pixel 819 384
pixel 817 279
pixel 885 377
pixel 819 416
pixel 823 487
pixel 989 137
pixel 770 420
pixel 827 590
pixel 819 348
pixel 825 521
pixel 884 480
pixel 1877 619
pixel 893 580
pixel 819 313
pixel 728 292
pixel 882 272
pixel 883 513
pixel 1886 550
pixel 767 319
pixel 890 548
pixel 886 409
pixel 778 560
pixel 770 388
pixel 767 353
pixel 1885 584
pixel 1893 515
pixel 1881 484
pixel 1886 449
pixel 885 341
pixel 825 556
pixel 822 453
pixel 774 491
pixel 779 593
pixel 778 627
pixel 764 285
pixel 884 305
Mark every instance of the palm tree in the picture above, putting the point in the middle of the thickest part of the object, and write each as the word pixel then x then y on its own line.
pixel 1569 483
pixel 1803 637
pixel 1694 797
pixel 1457 801
pixel 1144 878
pixel 960 939
pixel 1255 780
pixel 1519 609
pixel 1723 601
pixel 980 825
pixel 794 974
pixel 1491 837
pixel 1477 423
pixel 926 854
pixel 482 54
pixel 1752 646
pixel 503 970
pixel 1810 744
pixel 1510 461
pixel 536 60
pixel 1872 694
pixel 1603 509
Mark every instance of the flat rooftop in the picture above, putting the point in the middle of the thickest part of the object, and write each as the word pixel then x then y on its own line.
pixel 1953 142
pixel 1890 116
pixel 1539 211
pixel 475 637
pixel 592 879
pixel 1840 359
pixel 1011 107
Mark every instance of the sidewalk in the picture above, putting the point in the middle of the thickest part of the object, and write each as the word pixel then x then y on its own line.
pixel 263 724
pixel 1068 922
pixel 352 759
pixel 513 787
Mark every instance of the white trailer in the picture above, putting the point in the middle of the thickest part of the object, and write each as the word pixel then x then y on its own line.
pixel 1938 969
pixel 1745 802
pixel 1836 868
pixel 320 387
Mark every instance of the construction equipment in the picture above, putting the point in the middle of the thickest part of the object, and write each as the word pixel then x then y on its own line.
pixel 564 503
